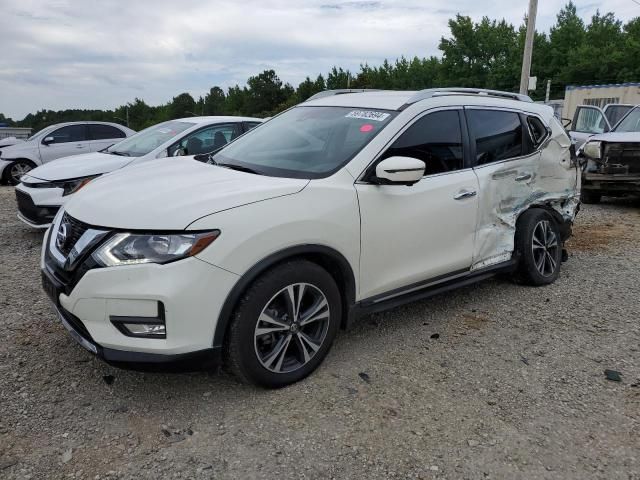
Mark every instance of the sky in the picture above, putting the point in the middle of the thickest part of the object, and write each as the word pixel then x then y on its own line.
pixel 59 54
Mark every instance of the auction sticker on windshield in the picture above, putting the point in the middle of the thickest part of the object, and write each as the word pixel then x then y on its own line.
pixel 368 115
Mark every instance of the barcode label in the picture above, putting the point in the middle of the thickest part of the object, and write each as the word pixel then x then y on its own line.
pixel 368 115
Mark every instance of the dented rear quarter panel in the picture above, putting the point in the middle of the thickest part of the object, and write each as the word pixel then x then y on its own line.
pixel 554 183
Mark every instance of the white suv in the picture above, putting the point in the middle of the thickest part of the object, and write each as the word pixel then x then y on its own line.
pixel 347 204
pixel 56 141
pixel 44 189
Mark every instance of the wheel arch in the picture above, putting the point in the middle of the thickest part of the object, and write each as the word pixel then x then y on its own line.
pixel 7 169
pixel 563 224
pixel 328 258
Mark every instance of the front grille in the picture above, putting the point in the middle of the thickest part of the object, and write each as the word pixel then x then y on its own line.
pixel 35 214
pixel 75 229
pixel 622 157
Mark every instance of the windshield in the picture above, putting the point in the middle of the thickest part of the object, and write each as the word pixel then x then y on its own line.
pixel 630 123
pixel 148 139
pixel 41 133
pixel 305 142
pixel 615 112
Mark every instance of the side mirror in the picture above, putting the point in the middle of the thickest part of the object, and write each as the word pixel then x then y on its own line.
pixel 400 171
pixel 179 152
pixel 48 140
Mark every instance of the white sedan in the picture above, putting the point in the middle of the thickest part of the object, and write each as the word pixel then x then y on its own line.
pixel 44 189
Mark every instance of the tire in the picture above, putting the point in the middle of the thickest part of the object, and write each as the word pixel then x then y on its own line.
pixel 285 351
pixel 539 247
pixel 15 170
pixel 588 196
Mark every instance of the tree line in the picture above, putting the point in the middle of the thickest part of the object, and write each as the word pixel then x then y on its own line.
pixel 484 54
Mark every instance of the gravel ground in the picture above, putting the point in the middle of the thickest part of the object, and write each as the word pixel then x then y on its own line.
pixel 492 381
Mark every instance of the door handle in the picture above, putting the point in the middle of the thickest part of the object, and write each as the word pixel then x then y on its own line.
pixel 464 194
pixel 523 177
pixel 79 146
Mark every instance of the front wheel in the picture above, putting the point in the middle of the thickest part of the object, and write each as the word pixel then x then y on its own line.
pixel 539 246
pixel 284 325
pixel 16 170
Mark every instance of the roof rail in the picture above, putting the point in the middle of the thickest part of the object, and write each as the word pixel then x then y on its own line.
pixel 436 92
pixel 340 91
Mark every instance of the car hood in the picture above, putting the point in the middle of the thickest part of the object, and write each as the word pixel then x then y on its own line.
pixel 170 194
pixel 14 151
pixel 77 166
pixel 622 137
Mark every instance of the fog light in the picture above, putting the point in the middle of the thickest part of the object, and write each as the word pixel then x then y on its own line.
pixel 143 327
pixel 146 329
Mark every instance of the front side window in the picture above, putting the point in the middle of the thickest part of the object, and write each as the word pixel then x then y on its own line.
pixel 204 141
pixel 630 123
pixel 70 133
pixel 589 120
pixel 148 139
pixel 436 139
pixel 104 132
pixel 306 142
pixel 498 135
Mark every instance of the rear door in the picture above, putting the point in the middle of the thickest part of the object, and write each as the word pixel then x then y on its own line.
pixel 102 136
pixel 587 121
pixel 506 164
pixel 65 141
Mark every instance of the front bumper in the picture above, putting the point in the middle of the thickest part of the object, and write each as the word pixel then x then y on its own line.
pixel 191 290
pixel 38 206
pixel 621 183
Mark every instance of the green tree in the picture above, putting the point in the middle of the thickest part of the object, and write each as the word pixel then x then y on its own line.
pixel 182 106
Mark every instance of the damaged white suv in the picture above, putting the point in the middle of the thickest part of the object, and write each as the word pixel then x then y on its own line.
pixel 349 203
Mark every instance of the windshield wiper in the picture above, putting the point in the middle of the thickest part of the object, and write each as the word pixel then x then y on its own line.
pixel 122 154
pixel 240 168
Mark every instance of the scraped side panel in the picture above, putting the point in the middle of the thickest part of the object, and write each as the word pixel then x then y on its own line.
pixel 508 188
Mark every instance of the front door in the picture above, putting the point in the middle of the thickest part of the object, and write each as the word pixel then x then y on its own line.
pixel 415 235
pixel 67 141
pixel 587 121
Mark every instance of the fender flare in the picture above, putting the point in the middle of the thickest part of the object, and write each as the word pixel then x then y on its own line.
pixel 309 251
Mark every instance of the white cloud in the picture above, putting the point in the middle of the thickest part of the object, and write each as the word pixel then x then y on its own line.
pixel 101 54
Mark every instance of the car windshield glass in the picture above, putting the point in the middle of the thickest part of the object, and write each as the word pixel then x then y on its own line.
pixel 630 123
pixel 615 112
pixel 40 133
pixel 306 142
pixel 148 139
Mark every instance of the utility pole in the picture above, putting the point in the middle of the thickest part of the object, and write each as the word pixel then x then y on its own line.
pixel 546 97
pixel 528 47
pixel 127 115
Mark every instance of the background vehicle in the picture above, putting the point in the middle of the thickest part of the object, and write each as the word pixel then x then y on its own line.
pixel 590 120
pixel 346 204
pixel 45 188
pixel 56 141
pixel 613 160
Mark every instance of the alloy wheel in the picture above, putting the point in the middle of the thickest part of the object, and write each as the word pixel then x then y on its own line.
pixel 545 248
pixel 17 170
pixel 291 328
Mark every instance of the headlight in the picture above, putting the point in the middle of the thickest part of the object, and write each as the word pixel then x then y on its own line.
pixel 592 149
pixel 133 248
pixel 72 186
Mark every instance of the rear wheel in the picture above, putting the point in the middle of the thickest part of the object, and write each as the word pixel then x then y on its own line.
pixel 539 246
pixel 589 196
pixel 14 172
pixel 284 325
